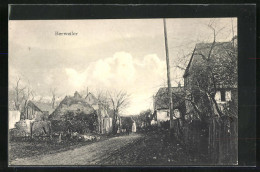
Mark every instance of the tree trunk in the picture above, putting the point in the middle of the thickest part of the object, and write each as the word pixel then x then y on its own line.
pixel 31 129
pixel 114 123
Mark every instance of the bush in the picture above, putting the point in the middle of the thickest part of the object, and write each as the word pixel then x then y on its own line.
pixel 165 124
pixel 76 122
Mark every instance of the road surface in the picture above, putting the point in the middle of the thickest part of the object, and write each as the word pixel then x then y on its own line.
pixel 98 153
pixel 133 149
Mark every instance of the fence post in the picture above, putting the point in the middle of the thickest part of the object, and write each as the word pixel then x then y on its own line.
pixel 31 129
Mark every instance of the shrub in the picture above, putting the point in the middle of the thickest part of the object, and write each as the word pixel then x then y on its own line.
pixel 77 121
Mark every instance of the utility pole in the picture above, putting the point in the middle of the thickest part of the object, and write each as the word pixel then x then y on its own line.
pixel 168 77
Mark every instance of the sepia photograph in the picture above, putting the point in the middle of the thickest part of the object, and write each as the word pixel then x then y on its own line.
pixel 123 92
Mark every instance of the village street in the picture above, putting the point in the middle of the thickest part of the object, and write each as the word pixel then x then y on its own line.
pixel 86 155
pixel 133 149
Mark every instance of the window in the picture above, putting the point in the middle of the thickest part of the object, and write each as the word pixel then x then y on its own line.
pixel 218 96
pixel 223 95
pixel 228 95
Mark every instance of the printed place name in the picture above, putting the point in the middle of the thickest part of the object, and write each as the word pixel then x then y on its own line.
pixel 66 33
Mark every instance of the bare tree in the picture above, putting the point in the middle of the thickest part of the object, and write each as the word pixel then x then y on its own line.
pixel 40 99
pixel 53 93
pixel 18 94
pixel 118 100
pixel 218 67
pixel 27 95
pixel 103 98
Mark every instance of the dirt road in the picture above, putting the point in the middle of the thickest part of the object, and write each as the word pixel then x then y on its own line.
pixel 93 154
pixel 145 149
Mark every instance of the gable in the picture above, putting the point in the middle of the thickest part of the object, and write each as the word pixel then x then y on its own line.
pixel 220 61
pixel 162 99
pixel 40 106
pixel 91 99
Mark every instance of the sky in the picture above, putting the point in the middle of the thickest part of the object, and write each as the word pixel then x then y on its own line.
pixel 118 54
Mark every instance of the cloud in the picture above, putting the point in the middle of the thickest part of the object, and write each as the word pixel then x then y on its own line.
pixel 75 78
pixel 139 77
pixel 114 69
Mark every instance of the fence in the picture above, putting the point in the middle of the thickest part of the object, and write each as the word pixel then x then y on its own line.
pixel 215 139
pixel 223 143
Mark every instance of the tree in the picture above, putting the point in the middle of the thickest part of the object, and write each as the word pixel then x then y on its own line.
pixel 53 93
pixel 103 99
pixel 27 95
pixel 217 67
pixel 118 100
pixel 146 117
pixel 18 93
pixel 21 94
pixel 127 123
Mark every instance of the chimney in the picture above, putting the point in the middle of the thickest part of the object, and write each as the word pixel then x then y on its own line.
pixel 76 95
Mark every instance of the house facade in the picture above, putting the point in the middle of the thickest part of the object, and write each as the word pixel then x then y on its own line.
pixel 105 115
pixel 211 74
pixel 161 103
pixel 33 120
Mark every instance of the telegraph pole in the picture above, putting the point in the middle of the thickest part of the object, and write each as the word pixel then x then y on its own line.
pixel 168 77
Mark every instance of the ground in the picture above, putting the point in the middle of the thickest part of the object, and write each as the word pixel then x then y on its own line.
pixel 150 148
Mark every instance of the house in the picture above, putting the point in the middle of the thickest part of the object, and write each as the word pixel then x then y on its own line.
pixel 88 105
pixel 37 110
pixel 73 104
pixel 33 119
pixel 105 115
pixel 92 100
pixel 211 75
pixel 161 103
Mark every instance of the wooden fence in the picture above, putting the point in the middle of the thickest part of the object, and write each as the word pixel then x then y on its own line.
pixel 222 141
pixel 215 139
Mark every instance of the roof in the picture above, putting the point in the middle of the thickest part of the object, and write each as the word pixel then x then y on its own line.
pixel 220 62
pixel 72 103
pixel 43 106
pixel 161 98
pixel 164 90
pixel 188 66
pixel 94 100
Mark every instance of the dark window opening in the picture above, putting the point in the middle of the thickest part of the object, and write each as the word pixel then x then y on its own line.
pixel 223 96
